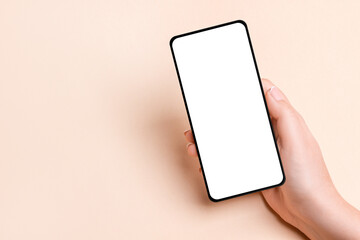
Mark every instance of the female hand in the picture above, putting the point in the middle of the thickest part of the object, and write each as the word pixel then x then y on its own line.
pixel 308 200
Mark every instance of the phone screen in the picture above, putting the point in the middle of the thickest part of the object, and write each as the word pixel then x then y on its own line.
pixel 227 110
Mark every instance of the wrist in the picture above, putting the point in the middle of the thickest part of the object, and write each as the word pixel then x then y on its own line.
pixel 313 219
pixel 328 216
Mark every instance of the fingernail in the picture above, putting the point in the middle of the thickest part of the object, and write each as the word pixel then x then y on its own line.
pixel 186 132
pixel 275 93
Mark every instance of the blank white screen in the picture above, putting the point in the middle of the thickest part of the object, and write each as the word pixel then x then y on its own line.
pixel 227 111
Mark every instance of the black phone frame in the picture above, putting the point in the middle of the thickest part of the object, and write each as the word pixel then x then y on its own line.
pixel 188 113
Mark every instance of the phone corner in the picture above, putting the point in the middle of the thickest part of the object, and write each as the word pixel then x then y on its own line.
pixel 172 40
pixel 212 198
pixel 283 180
pixel 242 22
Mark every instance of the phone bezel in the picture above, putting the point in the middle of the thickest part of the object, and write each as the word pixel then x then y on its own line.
pixel 264 99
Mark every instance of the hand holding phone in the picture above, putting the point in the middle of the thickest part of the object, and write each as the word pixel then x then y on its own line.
pixel 222 90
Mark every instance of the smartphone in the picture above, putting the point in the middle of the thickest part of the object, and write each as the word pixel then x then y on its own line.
pixel 227 111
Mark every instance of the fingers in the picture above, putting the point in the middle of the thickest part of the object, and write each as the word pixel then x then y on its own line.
pixel 191 149
pixel 189 136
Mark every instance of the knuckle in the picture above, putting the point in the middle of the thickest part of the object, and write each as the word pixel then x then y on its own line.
pixel 289 110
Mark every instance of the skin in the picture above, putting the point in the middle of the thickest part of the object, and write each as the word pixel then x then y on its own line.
pixel 308 200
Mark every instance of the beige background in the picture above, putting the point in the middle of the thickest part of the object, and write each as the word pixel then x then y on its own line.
pixel 92 118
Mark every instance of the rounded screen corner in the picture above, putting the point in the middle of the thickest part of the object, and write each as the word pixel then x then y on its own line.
pixel 283 180
pixel 242 23
pixel 214 199
pixel 172 40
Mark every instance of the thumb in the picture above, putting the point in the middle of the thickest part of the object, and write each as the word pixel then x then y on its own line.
pixel 277 103
pixel 287 120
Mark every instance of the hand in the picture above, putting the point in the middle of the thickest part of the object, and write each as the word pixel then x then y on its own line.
pixel 308 200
